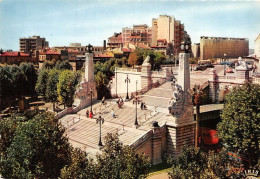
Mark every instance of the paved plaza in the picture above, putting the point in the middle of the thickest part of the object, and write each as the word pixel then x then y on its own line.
pixel 83 132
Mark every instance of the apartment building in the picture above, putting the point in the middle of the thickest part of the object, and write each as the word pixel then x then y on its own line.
pixel 32 43
pixel 216 47
pixel 257 47
pixel 195 48
pixel 115 41
pixel 139 34
pixel 168 28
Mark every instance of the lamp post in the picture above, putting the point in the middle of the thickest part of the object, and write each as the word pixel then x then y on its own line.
pixel 225 61
pixel 89 48
pixel 100 120
pixel 91 94
pixel 127 80
pixel 136 101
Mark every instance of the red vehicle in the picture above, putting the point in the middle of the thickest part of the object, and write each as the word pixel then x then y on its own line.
pixel 208 136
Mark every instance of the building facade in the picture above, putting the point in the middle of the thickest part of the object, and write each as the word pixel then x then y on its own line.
pixel 32 43
pixel 139 34
pixel 195 48
pixel 257 47
pixel 216 47
pixel 10 57
pixel 115 41
pixel 168 28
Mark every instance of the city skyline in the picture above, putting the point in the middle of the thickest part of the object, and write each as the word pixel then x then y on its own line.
pixel 63 22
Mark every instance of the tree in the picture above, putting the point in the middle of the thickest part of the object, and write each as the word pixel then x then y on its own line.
pixel 132 59
pixel 38 149
pixel 66 87
pixel 41 83
pixel 64 65
pixel 240 121
pixel 80 166
pixel 51 89
pixel 118 161
pixel 5 86
pixel 102 86
pixel 30 77
pixel 194 163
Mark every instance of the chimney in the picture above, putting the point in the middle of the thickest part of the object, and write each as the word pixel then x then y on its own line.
pixel 105 45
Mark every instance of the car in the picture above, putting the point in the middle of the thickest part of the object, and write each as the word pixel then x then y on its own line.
pixel 229 70
pixel 209 65
pixel 200 67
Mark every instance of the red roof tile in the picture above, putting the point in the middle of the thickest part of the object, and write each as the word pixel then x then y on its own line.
pixel 14 54
pixel 50 52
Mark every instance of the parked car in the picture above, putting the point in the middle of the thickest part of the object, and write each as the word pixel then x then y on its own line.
pixel 229 70
pixel 200 67
pixel 209 65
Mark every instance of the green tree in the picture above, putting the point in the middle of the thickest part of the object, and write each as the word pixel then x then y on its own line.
pixel 30 77
pixel 79 167
pixel 48 64
pixel 194 163
pixel 102 86
pixel 240 121
pixel 51 87
pixel 118 161
pixel 41 83
pixel 18 81
pixel 38 149
pixel 66 87
pixel 64 65
pixel 5 86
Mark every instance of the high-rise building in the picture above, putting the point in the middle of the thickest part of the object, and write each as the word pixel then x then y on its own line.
pixel 195 48
pixel 139 34
pixel 257 47
pixel 166 27
pixel 32 43
pixel 216 47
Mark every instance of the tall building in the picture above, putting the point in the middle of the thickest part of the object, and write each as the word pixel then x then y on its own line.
pixel 115 41
pixel 216 47
pixel 139 34
pixel 32 43
pixel 166 27
pixel 195 48
pixel 257 47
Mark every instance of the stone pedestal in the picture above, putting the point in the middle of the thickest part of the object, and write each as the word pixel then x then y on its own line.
pixel 146 79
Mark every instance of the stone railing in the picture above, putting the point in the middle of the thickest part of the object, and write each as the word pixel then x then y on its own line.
pixel 128 69
pixel 256 80
pixel 142 139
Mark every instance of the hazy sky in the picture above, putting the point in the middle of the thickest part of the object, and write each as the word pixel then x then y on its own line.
pixel 91 21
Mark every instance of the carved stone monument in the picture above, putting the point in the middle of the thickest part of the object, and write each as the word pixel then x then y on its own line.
pixel 182 107
pixel 87 84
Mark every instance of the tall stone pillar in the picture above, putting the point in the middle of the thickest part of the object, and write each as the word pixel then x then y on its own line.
pixel 182 107
pixel 83 94
pixel 213 84
pixel 146 79
pixel 89 68
pixel 156 143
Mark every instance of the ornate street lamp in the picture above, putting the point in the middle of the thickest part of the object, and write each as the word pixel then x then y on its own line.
pixel 127 80
pixel 225 61
pixel 136 100
pixel 89 48
pixel 100 120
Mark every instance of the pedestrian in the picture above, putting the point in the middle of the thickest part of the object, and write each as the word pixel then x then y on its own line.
pixel 113 113
pixel 103 100
pixel 87 113
pixel 90 115
pixel 142 105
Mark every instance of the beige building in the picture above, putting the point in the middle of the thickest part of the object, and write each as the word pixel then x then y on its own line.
pixel 216 47
pixel 257 47
pixel 168 28
pixel 139 34
pixel 195 48
pixel 32 43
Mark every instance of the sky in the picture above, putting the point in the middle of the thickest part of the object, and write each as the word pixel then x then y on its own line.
pixel 63 22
